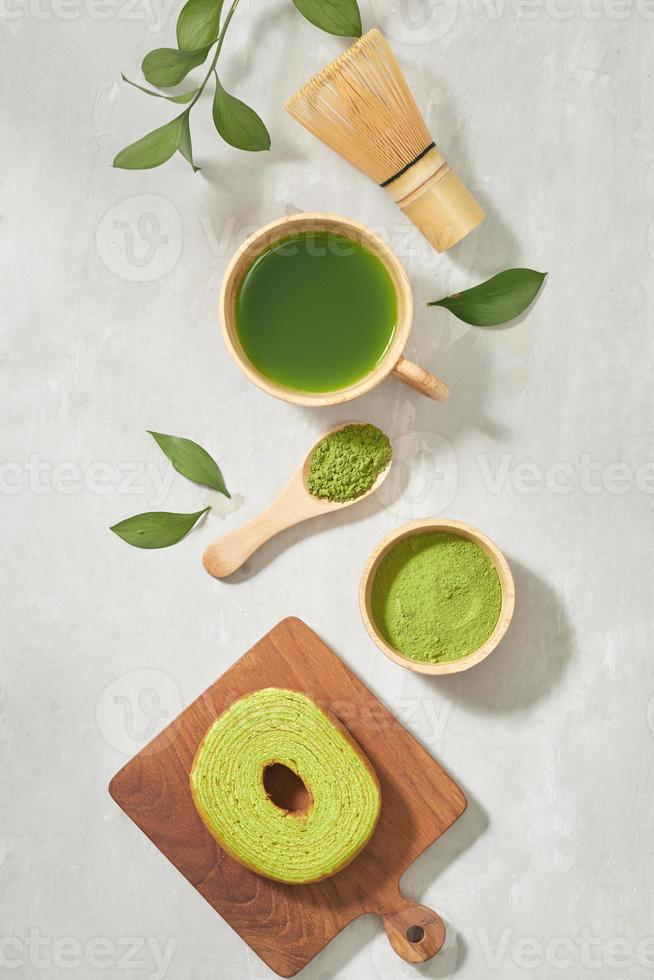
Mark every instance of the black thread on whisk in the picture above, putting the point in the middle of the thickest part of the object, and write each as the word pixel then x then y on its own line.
pixel 408 165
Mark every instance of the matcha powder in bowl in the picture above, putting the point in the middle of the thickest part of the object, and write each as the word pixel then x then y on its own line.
pixel 347 462
pixel 436 596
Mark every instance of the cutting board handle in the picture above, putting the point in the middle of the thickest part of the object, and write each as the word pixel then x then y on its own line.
pixel 415 932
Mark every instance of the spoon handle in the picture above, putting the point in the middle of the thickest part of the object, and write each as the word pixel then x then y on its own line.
pixel 225 555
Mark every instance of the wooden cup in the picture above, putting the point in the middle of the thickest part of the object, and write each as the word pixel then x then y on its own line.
pixel 464 531
pixel 393 361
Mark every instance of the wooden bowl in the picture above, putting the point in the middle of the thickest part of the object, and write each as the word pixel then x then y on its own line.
pixel 392 361
pixel 464 531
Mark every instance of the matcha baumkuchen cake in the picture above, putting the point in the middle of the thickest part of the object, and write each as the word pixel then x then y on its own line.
pixel 284 788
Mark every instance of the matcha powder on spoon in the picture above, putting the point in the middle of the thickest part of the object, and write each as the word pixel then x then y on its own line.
pixel 346 463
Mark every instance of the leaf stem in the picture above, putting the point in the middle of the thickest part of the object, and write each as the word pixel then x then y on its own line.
pixel 220 39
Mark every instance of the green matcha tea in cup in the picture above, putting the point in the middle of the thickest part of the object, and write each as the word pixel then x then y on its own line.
pixel 317 310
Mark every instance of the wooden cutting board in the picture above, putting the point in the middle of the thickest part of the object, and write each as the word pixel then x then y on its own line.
pixel 286 925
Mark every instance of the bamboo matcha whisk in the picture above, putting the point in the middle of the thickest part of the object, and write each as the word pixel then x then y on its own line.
pixel 362 107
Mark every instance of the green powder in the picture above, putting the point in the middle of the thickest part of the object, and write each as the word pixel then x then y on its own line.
pixel 345 464
pixel 436 596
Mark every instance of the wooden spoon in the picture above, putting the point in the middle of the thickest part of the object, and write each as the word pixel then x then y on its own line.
pixel 294 504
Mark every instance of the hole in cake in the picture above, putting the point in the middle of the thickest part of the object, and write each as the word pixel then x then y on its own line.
pixel 415 933
pixel 285 789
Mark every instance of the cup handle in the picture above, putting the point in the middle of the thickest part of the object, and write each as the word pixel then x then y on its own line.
pixel 424 382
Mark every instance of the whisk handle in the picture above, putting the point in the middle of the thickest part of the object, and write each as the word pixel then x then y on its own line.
pixel 424 382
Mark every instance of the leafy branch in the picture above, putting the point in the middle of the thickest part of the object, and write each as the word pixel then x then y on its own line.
pixel 201 28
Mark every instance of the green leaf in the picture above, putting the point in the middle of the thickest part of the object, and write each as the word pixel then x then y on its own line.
pixel 192 461
pixel 340 17
pixel 151 150
pixel 198 24
pixel 496 301
pixel 237 123
pixel 180 99
pixel 165 67
pixel 156 529
pixel 185 147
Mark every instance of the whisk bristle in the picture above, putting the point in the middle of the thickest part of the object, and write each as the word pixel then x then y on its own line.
pixel 361 106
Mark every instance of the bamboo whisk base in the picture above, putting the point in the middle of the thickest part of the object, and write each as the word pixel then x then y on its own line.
pixel 436 201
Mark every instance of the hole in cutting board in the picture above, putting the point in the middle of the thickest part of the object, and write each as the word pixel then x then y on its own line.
pixel 285 789
pixel 415 934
